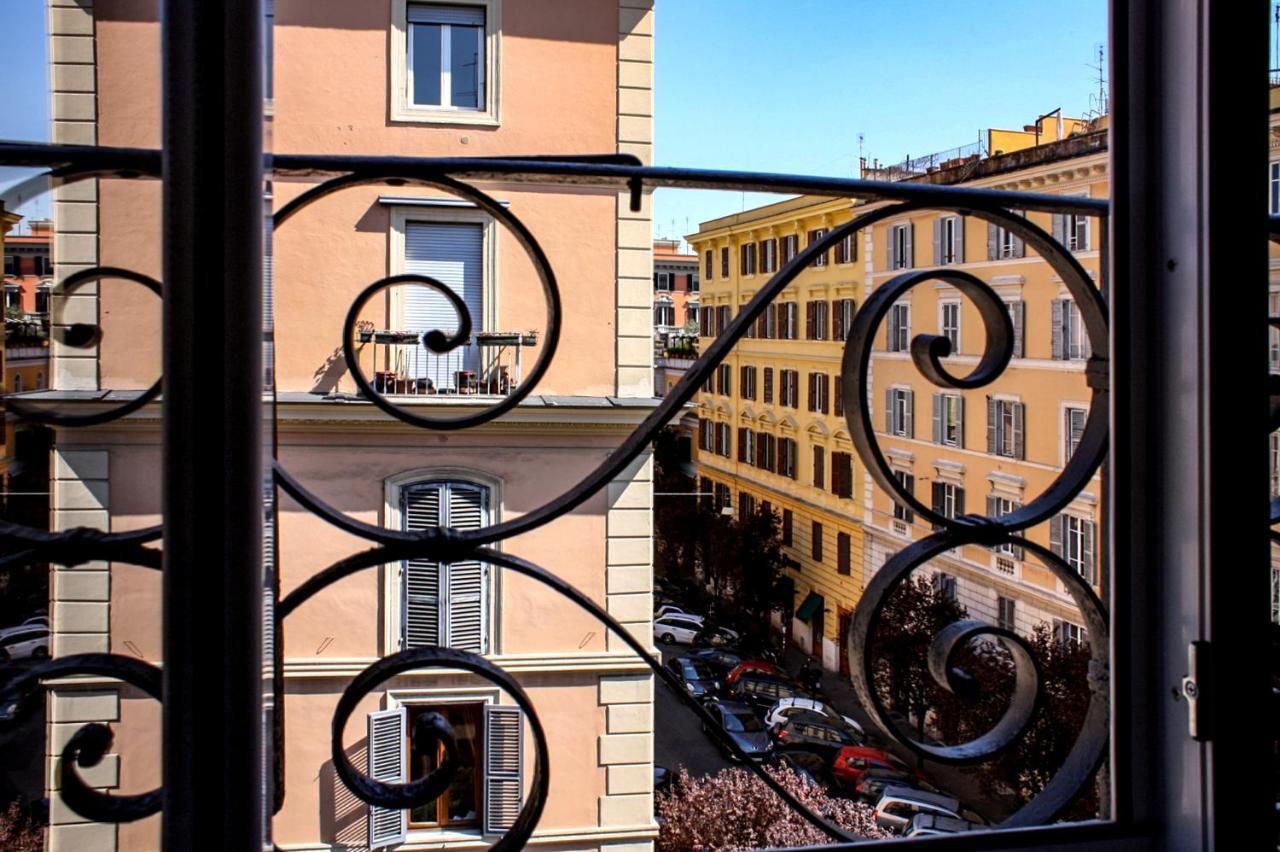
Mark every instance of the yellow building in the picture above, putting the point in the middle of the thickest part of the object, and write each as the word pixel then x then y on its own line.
pixel 1018 431
pixel 771 428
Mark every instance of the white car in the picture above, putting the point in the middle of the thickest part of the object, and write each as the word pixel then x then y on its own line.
pixel 778 713
pixel 24 642
pixel 33 621
pixel 898 806
pixel 670 629
pixel 672 609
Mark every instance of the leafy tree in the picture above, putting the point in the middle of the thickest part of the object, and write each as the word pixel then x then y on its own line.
pixel 733 809
pixel 18 832
pixel 914 614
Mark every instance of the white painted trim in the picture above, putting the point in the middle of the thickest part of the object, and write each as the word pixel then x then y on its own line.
pixel 401 110
pixel 392 520
pixel 431 201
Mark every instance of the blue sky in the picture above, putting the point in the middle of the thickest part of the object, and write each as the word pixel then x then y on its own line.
pixel 784 85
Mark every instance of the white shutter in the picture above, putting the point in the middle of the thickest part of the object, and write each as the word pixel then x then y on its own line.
pixel 465 618
pixel 421 505
pixel 423 13
pixel 452 253
pixel 387 827
pixel 503 767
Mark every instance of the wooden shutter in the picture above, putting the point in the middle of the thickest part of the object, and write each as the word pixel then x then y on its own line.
pixel 891 246
pixel 937 418
pixel 466 614
pixel 1019 247
pixel 837 321
pixel 888 411
pixel 742 443
pixel 813 396
pixel 960 421
pixel 768 384
pixel 819 467
pixel 809 319
pixel 910 429
pixel 959 501
pixel 937 241
pixel 503 766
pixel 959 239
pixel 1056 536
pixel 992 420
pixel 421 626
pixel 909 486
pixel 1019 417
pixel 1019 311
pixel 993 241
pixel 387 826
pixel 993 505
pixel 842 553
pixel 1059 337
pixel 939 501
pixel 1060 228
pixel 910 250
pixel 1090 564
pixel 837 389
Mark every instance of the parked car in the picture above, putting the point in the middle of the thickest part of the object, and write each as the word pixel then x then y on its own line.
pixel 871 784
pixel 852 761
pixel 661 778
pixel 670 629
pixel 739 721
pixel 815 732
pixel 697 677
pixel 675 609
pixel 779 712
pixel 754 667
pixel 928 825
pixel 898 806
pixel 25 642
pixel 33 621
pixel 715 637
pixel 761 691
pixel 813 768
pixel 755 648
pixel 720 660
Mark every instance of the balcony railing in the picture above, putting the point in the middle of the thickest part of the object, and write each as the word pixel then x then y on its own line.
pixel 487 364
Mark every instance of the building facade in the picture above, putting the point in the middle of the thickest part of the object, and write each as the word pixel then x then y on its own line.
pixel 675 290
pixel 773 426
pixel 394 77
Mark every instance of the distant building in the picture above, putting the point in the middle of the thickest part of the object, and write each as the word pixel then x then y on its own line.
pixel 675 291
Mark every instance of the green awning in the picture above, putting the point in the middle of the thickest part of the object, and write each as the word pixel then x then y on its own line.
pixel 811 606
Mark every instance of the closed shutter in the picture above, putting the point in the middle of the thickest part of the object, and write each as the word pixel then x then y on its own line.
pixel 422 13
pixel 1059 338
pixel 993 241
pixel 810 310
pixel 1056 536
pixel 888 412
pixel 891 246
pixel 937 418
pixel 1060 228
pixel 824 393
pixel 742 443
pixel 939 501
pixel 1018 310
pixel 1019 247
pixel 837 321
pixel 466 616
pixel 387 826
pixel 421 508
pixel 819 467
pixel 768 384
pixel 937 241
pixel 959 239
pixel 992 415
pixel 842 553
pixel 503 767
pixel 910 259
pixel 993 506
pixel 813 398
pixel 959 501
pixel 1019 418
pixel 1090 563
pixel 837 388
pixel 960 422
pixel 910 427
pixel 1075 425
pixel 452 253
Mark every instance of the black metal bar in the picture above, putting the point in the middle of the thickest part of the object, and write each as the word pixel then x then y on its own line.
pixel 1186 495
pixel 212 425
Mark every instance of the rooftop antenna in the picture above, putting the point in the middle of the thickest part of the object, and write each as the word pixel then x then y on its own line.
pixel 1275 30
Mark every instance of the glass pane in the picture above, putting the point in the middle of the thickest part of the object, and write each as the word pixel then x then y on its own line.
pixel 465 67
pixel 424 54
pixel 461 795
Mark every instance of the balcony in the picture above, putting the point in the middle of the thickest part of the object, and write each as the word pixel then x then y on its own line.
pixel 487 364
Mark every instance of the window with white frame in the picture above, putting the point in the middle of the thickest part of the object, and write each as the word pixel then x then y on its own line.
pixel 487 789
pixel 899 328
pixel 1273 334
pixel 1070 340
pixel 789 321
pixel 997 506
pixel 1078 232
pixel 1068 633
pixel 1073 420
pixel 769 255
pixel 790 246
pixel 664 313
pixel 1005 419
pixel 13 297
pixel 948 499
pixel 1275 189
pixel 899 413
pixel 747 261
pixel 724 261
pixel 1006 613
pixel 662 281
pixel 950 240
pixel 444 603
pixel 948 419
pixel 945 585
pixel 902 512
pixel 447 63
pixel 949 322
pixel 901 255
pixel 1017 315
pixel 1072 538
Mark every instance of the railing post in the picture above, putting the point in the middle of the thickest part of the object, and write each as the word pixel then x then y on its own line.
pixel 212 397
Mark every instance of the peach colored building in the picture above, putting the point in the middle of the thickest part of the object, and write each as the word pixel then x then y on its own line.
pixel 393 77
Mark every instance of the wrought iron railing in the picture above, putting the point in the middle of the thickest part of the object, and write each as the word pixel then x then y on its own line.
pixel 74 547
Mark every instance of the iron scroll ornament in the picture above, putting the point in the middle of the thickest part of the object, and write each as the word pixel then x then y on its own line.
pixel 447 544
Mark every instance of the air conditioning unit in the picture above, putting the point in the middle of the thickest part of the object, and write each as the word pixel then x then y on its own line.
pixel 901 528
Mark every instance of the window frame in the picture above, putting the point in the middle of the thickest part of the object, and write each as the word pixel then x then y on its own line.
pixel 899 328
pixel 948 329
pixel 404 110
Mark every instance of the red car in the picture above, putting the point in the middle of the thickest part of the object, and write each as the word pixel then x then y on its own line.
pixel 852 761
pixel 750 666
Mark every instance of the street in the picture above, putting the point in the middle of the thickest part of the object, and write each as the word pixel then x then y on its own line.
pixel 679 740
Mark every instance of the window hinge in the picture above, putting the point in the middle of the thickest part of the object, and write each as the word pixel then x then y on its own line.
pixel 1195 688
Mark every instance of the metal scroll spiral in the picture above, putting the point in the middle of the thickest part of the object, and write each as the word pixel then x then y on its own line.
pixel 447 544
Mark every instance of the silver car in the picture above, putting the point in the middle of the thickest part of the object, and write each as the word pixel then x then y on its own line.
pixel 898 806
pixel 22 643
